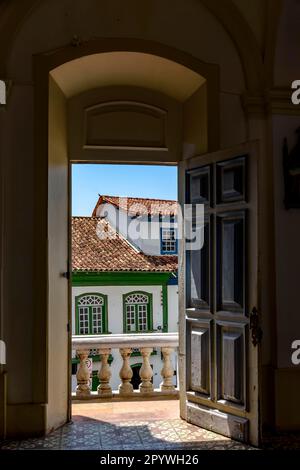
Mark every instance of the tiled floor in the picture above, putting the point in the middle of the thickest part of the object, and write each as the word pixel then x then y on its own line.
pixel 137 425
pixel 127 426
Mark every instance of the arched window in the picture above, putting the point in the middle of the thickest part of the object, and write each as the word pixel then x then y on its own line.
pixel 91 314
pixel 137 312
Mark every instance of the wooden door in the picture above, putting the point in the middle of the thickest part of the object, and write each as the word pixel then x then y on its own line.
pixel 59 336
pixel 219 332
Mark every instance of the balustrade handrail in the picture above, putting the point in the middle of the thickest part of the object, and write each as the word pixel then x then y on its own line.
pixel 145 342
pixel 133 340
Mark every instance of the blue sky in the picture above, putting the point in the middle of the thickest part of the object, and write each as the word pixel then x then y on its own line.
pixel 88 181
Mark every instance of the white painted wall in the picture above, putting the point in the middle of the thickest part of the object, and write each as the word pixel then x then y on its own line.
pixel 173 308
pixel 139 232
pixel 115 303
pixel 115 324
pixel 287 229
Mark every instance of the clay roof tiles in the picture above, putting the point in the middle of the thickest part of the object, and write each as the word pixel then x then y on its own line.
pixel 92 251
pixel 139 206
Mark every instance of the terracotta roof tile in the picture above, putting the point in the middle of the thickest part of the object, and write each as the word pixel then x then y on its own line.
pixel 93 252
pixel 139 206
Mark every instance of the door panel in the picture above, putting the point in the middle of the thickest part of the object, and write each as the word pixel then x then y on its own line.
pixel 230 244
pixel 200 361
pixel 199 186
pixel 231 181
pixel 231 363
pixel 198 273
pixel 220 364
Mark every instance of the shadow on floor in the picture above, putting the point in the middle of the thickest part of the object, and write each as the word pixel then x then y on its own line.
pixel 282 441
pixel 85 433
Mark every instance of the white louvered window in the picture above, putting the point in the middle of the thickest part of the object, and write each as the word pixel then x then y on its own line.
pixel 91 311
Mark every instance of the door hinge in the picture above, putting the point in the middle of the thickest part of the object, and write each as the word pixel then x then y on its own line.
pixel 256 331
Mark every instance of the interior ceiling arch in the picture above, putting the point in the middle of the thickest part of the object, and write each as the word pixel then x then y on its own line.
pixel 225 11
pixel 120 68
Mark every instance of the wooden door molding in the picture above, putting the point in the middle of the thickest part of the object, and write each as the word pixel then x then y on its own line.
pixel 219 363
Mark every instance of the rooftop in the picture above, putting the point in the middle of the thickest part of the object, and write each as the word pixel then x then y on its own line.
pixel 139 206
pixel 97 247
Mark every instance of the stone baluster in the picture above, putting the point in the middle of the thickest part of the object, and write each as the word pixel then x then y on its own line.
pixel 167 371
pixel 146 372
pixel 125 388
pixel 83 374
pixel 104 374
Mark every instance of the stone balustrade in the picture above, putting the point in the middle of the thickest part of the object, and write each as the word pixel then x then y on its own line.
pixel 125 343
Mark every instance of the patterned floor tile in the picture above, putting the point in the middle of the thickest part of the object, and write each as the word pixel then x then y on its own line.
pixel 127 435
pixel 9 445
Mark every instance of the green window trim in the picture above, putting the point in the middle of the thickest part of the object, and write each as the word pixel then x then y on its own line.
pixel 135 310
pixel 89 307
pixel 121 278
pixel 165 308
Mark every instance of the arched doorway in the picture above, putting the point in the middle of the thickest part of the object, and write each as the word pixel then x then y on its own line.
pixel 218 360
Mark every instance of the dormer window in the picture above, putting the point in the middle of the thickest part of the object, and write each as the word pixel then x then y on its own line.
pixel 168 241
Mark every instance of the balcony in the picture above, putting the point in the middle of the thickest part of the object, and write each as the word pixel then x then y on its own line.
pixel 125 344
pixel 109 420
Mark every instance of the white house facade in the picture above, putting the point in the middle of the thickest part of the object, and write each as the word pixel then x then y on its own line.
pixel 117 288
pixel 148 224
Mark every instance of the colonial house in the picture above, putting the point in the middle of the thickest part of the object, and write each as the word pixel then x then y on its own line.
pixel 148 224
pixel 118 288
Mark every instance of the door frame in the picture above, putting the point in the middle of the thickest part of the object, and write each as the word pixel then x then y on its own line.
pixel 42 66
